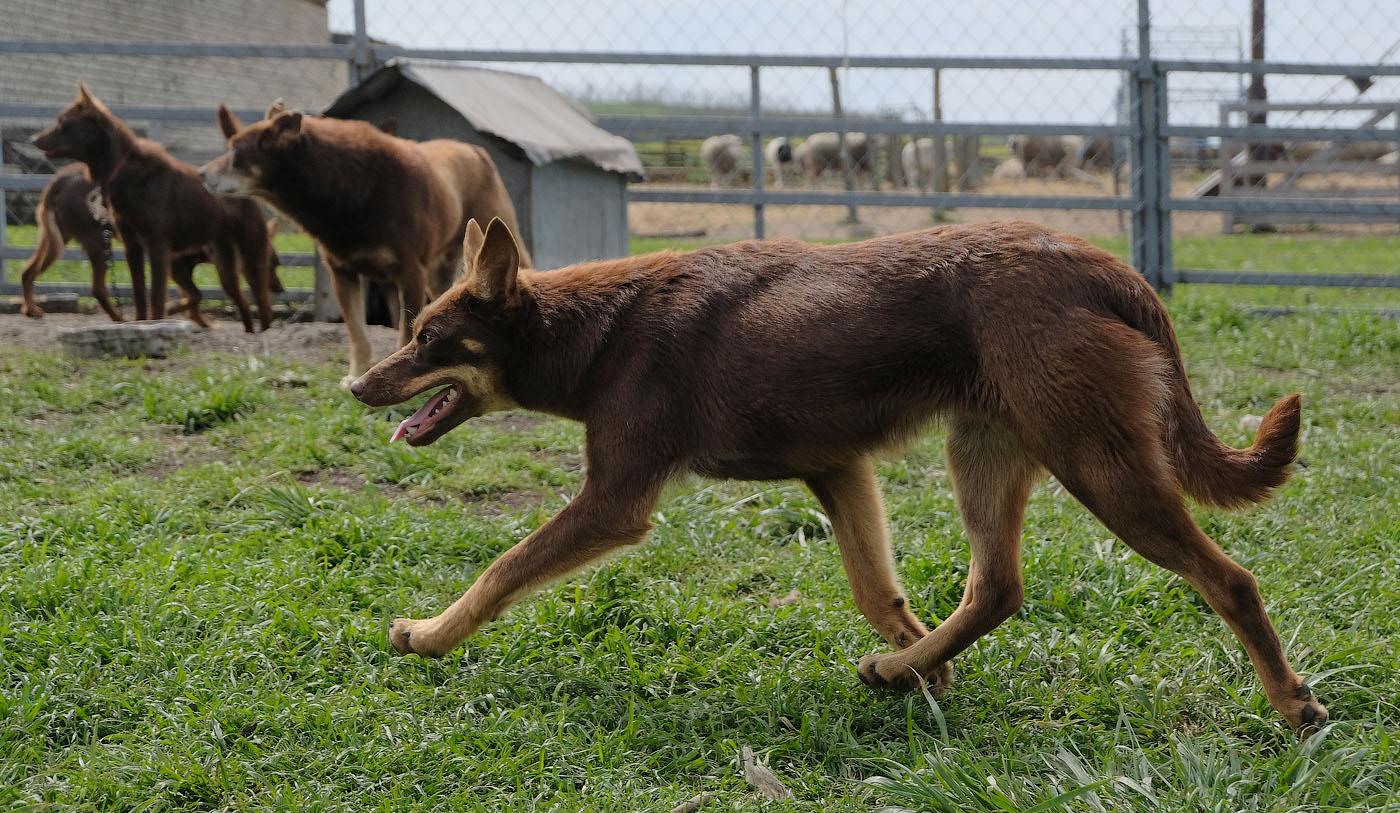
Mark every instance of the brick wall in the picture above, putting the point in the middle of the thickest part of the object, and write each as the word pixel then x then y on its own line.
pixel 170 81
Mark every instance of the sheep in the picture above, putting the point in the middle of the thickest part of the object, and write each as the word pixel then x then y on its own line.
pixel 777 159
pixel 822 151
pixel 917 156
pixel 721 155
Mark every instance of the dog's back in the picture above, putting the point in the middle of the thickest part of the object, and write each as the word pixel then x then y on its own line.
pixel 807 351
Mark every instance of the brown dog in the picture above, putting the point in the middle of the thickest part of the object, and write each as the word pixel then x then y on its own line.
pixel 71 208
pixel 769 360
pixel 377 205
pixel 162 210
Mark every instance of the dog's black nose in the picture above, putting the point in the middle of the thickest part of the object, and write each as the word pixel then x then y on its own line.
pixel 357 387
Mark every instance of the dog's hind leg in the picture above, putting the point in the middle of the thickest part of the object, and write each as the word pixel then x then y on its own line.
pixel 851 498
pixel 182 273
pixel 255 259
pixel 1132 492
pixel 96 249
pixel 48 251
pixel 611 510
pixel 226 261
pixel 992 479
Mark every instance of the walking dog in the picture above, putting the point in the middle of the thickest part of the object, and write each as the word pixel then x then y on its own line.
pixel 70 208
pixel 775 360
pixel 377 205
pixel 162 211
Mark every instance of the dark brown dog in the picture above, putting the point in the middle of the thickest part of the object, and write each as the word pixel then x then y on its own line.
pixel 768 360
pixel 163 211
pixel 68 211
pixel 71 208
pixel 377 205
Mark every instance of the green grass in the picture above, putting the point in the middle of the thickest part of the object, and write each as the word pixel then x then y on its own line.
pixel 197 566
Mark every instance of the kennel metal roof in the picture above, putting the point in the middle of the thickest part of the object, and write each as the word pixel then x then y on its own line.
pixel 515 107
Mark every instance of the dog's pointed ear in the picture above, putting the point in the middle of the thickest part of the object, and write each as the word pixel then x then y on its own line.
pixel 287 125
pixel 277 108
pixel 84 95
pixel 496 264
pixel 471 243
pixel 228 123
pixel 284 132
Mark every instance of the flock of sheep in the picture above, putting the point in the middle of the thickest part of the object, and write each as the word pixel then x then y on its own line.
pixel 820 154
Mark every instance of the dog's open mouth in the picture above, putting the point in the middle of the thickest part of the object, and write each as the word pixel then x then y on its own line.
pixel 432 420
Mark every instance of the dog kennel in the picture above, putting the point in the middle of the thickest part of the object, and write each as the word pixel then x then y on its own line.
pixel 566 176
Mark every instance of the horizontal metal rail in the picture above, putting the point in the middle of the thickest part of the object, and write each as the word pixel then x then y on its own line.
pixel 701 126
pixel 14 252
pixel 1189 275
pixel 1306 107
pixel 209 295
pixel 1283 133
pixel 942 201
pixel 1285 68
pixel 385 52
pixel 1283 206
pixel 190 49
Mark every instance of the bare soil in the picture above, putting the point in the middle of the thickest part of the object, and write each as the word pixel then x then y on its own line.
pixel 303 342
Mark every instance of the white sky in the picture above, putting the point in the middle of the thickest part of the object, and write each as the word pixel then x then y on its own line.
pixel 1301 30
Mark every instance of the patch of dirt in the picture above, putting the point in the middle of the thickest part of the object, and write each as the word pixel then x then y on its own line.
pixel 334 478
pixel 180 450
pixel 497 503
pixel 492 503
pixel 304 342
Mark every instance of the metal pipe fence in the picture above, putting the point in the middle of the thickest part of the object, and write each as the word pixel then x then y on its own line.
pixel 1145 127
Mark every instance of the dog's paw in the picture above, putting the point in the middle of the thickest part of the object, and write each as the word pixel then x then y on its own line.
pixel 889 671
pixel 1303 711
pixel 409 636
pixel 33 312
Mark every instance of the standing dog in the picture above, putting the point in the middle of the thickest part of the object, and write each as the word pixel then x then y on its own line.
pixel 70 208
pixel 377 205
pixel 775 360
pixel 162 211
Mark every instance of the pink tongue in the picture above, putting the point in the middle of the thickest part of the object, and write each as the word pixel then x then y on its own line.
pixel 421 416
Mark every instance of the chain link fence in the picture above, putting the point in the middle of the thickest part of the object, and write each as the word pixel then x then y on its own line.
pixel 1244 141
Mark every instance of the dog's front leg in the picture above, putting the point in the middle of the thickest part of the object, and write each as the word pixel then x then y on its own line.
pixel 350 294
pixel 159 255
pixel 604 516
pixel 136 262
pixel 413 295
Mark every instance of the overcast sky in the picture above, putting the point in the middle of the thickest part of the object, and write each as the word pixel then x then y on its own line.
pixel 1303 30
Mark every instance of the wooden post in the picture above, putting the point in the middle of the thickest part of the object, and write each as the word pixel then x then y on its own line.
pixel 324 306
pixel 852 214
pixel 939 160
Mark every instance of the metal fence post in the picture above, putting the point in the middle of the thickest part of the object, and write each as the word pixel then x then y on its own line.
pixel 4 214
pixel 755 109
pixel 359 60
pixel 1144 97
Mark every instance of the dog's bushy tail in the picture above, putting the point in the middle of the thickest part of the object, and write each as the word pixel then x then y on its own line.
pixel 1206 468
